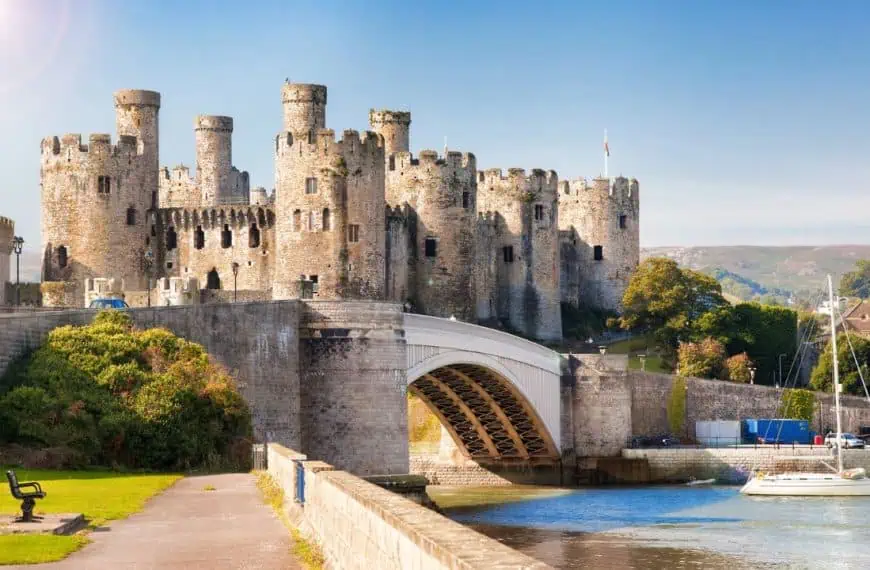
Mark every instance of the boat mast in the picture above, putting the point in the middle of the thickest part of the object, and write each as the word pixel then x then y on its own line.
pixel 836 375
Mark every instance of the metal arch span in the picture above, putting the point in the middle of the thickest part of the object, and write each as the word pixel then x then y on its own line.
pixel 497 395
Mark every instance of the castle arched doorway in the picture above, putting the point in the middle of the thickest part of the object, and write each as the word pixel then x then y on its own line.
pixel 213 280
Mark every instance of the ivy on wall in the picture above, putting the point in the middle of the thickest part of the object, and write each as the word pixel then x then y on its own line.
pixel 677 405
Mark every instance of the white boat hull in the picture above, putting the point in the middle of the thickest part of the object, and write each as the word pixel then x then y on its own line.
pixel 807 485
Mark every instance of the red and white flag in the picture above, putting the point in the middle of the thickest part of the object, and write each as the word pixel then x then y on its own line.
pixel 606 146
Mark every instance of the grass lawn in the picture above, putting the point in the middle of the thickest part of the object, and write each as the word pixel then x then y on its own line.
pixel 100 495
pixel 639 345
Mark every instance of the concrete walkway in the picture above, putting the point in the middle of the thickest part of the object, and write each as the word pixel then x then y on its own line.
pixel 188 528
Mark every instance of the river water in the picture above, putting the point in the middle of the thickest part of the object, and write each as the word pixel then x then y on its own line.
pixel 676 527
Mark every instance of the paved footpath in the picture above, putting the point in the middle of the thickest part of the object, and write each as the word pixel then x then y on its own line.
pixel 187 527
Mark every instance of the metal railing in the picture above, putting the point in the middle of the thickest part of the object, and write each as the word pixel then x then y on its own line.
pixel 671 442
pixel 259 457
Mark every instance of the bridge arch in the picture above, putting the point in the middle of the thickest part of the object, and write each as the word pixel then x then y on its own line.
pixel 496 394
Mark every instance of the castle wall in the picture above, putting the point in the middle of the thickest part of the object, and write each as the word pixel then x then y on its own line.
pixel 251 245
pixel 395 127
pixel 7 232
pixel 605 213
pixel 442 193
pixel 400 255
pixel 486 267
pixel 214 158
pixel 528 248
pixel 304 107
pixel 330 211
pixel 569 267
pixel 177 189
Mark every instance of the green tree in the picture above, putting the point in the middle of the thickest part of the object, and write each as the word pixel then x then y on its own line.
pixel 764 332
pixel 797 404
pixel 823 374
pixel 857 283
pixel 663 299
pixel 705 359
pixel 737 368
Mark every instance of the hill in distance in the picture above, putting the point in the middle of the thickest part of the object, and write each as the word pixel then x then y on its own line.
pixel 751 272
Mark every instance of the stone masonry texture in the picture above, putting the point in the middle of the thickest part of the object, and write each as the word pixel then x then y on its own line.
pixel 7 232
pixel 454 242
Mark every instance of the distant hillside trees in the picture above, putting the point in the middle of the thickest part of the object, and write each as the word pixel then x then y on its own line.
pixel 857 283
pixel 680 305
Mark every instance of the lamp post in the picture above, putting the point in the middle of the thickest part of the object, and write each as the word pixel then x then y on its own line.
pixel 235 280
pixel 752 375
pixel 779 361
pixel 17 246
pixel 602 349
pixel 642 358
pixel 149 261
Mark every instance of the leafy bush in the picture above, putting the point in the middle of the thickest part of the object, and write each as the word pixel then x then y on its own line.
pixel 822 377
pixel 705 359
pixel 798 404
pixel 677 405
pixel 114 395
pixel 737 368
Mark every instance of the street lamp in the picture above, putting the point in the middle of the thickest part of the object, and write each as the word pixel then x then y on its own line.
pixel 149 261
pixel 17 246
pixel 642 358
pixel 752 374
pixel 602 349
pixel 779 360
pixel 235 279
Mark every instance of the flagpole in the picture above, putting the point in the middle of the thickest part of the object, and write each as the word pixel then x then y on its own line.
pixel 606 153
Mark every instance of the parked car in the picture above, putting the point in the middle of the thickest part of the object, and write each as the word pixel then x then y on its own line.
pixel 848 441
pixel 108 303
pixel 864 433
pixel 647 441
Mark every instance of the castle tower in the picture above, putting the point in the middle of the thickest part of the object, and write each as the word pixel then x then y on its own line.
pixel 7 232
pixel 214 158
pixel 601 218
pixel 329 202
pixel 441 194
pixel 527 248
pixel 394 126
pixel 96 198
pixel 304 107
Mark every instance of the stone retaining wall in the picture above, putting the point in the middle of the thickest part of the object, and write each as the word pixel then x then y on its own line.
pixel 359 525
pixel 733 465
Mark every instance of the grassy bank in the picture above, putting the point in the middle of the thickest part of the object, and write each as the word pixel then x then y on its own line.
pixel 100 495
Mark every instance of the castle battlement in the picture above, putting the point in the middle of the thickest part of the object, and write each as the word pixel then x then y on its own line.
pixel 537 175
pixel 493 186
pixel 303 93
pixel 6 223
pixel 137 97
pixel 405 161
pixel 323 141
pixel 619 186
pixel 389 116
pixel 177 172
pixel 213 123
pixel 69 147
pixel 189 218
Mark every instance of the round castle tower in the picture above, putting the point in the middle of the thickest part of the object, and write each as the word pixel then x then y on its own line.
pixel 603 216
pixel 526 211
pixel 214 158
pixel 442 195
pixel 7 232
pixel 95 198
pixel 304 107
pixel 329 201
pixel 394 126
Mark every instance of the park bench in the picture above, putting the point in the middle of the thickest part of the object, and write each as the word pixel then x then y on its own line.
pixel 28 497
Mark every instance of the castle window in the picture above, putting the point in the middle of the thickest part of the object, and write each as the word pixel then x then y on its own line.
pixel 327 220
pixel 168 265
pixel 311 138
pixel 539 212
pixel 104 184
pixel 297 220
pixel 311 221
pixel 213 280
pixel 392 165
pixel 153 230
pixel 431 247
pixel 131 216
pixel 154 199
pixel 598 252
pixel 61 256
pixel 622 222
pixel 466 200
pixel 198 238
pixel 353 233
pixel 226 237
pixel 507 253
pixel 311 185
pixel 314 281
pixel 171 239
pixel 254 236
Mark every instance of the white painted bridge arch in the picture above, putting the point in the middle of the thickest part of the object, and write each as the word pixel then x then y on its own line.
pixel 497 394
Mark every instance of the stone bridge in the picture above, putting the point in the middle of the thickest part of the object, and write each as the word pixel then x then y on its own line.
pixel 330 377
pixel 495 393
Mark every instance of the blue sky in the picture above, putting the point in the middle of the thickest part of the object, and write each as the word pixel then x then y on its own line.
pixel 744 121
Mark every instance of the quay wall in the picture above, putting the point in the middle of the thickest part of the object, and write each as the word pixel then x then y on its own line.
pixel 733 464
pixel 359 525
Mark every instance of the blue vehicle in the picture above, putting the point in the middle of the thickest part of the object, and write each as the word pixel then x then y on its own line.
pixel 108 303
pixel 777 431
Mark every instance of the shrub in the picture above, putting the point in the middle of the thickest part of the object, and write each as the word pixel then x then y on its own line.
pixel 113 395
pixel 798 404
pixel 705 359
pixel 737 368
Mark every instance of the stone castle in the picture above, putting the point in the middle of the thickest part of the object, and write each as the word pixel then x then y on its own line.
pixel 351 217
pixel 7 232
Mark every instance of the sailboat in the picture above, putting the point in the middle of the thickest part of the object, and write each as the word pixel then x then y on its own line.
pixel 842 483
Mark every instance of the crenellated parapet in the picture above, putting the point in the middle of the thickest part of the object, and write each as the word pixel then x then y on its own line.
pixel 7 232
pixel 185 219
pixel 394 126
pixel 304 106
pixel 499 192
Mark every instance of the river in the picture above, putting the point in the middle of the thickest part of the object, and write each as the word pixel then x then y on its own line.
pixel 655 527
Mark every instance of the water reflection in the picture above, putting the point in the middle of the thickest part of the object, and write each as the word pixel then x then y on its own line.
pixel 680 527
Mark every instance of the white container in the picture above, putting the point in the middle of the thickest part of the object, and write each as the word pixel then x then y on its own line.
pixel 718 433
